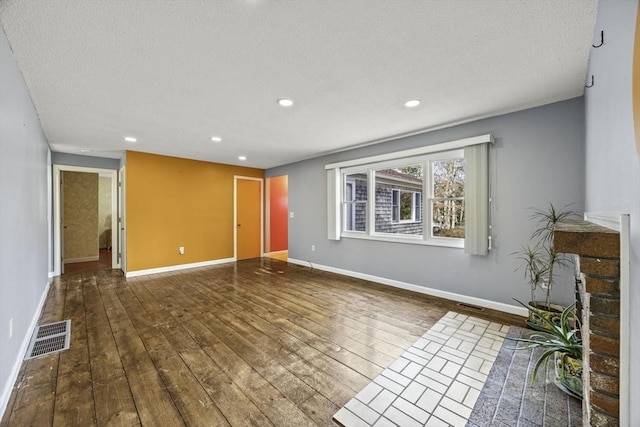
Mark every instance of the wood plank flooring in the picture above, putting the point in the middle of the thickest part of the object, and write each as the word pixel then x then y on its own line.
pixel 258 342
pixel 103 263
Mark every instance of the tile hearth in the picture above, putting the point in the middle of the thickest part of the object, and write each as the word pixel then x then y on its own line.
pixel 436 382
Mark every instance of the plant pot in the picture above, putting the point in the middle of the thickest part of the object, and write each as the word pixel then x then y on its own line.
pixel 568 374
pixel 538 311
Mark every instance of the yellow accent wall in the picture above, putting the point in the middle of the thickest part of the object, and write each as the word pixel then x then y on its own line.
pixel 173 202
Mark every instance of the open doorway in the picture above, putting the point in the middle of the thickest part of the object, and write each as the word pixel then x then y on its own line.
pixel 277 218
pixel 86 221
pixel 85 212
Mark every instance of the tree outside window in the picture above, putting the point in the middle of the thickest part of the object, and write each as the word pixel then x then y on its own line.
pixel 447 201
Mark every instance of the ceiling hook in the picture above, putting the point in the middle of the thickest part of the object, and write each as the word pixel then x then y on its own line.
pixel 588 86
pixel 601 40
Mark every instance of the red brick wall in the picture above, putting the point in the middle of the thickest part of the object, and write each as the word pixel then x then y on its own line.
pixel 599 258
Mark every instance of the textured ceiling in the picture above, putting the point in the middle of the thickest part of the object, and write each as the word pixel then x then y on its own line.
pixel 174 73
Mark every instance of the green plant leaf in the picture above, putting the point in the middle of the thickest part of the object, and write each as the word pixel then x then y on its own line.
pixel 562 338
pixel 542 359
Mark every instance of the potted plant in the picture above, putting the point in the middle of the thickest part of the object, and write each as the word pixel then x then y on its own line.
pixel 564 343
pixel 539 261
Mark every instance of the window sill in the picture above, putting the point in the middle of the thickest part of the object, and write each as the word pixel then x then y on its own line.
pixel 438 241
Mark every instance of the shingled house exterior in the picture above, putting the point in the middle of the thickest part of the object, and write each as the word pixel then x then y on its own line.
pixel 398 204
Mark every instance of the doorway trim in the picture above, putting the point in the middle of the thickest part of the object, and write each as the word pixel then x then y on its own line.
pixel 57 211
pixel 121 232
pixel 235 213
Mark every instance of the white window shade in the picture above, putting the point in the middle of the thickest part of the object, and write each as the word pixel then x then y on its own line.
pixel 476 166
pixel 333 204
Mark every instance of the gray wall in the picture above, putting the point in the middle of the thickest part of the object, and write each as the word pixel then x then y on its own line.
pixel 84 161
pixel 24 213
pixel 538 158
pixel 612 160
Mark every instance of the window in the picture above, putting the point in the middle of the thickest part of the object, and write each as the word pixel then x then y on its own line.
pixel 436 195
pixel 446 198
pixel 350 212
pixel 398 191
pixel 355 202
pixel 397 199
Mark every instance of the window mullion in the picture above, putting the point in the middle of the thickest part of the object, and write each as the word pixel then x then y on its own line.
pixel 371 199
pixel 426 190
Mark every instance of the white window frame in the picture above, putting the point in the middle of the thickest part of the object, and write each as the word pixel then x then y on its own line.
pixel 352 217
pixel 353 203
pixel 430 197
pixel 426 237
pixel 479 238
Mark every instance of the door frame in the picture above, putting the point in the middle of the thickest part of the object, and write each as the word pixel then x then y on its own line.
pixel 57 211
pixel 235 213
pixel 121 231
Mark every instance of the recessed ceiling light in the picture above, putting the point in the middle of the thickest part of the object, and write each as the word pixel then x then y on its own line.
pixel 412 103
pixel 84 150
pixel 243 158
pixel 216 139
pixel 130 139
pixel 284 102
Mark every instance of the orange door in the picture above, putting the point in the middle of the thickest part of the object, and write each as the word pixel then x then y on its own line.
pixel 248 218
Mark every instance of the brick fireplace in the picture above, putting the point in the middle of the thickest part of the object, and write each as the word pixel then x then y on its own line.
pixel 598 249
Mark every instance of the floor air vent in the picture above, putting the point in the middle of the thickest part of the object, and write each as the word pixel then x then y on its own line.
pixel 49 338
pixel 471 306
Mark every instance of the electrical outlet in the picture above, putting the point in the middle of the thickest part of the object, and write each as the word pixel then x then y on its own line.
pixel 290 214
pixel 11 328
pixel 313 248
pixel 181 250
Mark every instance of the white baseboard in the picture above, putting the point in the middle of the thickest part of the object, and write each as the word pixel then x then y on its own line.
pixel 15 370
pixel 82 259
pixel 507 308
pixel 276 253
pixel 178 267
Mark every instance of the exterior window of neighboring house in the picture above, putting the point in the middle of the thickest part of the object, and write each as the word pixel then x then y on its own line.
pixel 406 206
pixel 435 195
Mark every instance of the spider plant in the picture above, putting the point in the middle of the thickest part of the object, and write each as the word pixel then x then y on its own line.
pixel 563 338
pixel 538 258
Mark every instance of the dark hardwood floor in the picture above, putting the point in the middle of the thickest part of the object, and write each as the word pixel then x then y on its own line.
pixel 103 263
pixel 258 342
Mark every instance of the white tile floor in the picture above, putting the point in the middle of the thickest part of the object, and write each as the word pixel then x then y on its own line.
pixel 434 383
